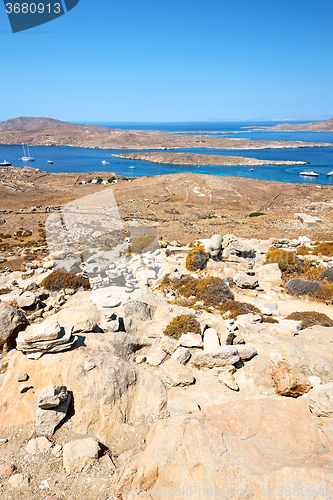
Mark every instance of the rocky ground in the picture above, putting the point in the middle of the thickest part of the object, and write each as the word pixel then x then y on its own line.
pixel 177 370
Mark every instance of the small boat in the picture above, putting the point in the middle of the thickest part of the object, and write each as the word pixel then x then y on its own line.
pixel 330 173
pixel 251 170
pixel 50 162
pixel 309 174
pixel 27 157
pixel 131 167
pixel 105 162
pixel 5 164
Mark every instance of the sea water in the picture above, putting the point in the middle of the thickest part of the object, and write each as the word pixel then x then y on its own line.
pixel 68 159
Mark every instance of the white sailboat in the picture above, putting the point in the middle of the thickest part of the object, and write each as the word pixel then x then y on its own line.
pixel 27 157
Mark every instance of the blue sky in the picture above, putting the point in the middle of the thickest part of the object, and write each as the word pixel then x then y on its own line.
pixel 172 60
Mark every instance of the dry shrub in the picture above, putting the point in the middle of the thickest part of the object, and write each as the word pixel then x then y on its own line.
pixel 236 308
pixel 182 324
pixel 298 286
pixel 4 291
pixel 327 274
pixel 196 258
pixel 268 319
pixel 59 280
pixel 311 318
pixel 287 261
pixel 212 291
pixel 143 244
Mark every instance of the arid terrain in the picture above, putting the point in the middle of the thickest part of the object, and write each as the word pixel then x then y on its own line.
pixel 48 132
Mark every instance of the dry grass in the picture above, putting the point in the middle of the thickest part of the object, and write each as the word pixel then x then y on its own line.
pixel 59 280
pixel 196 258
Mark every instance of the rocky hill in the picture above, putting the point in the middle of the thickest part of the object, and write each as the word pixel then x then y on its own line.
pixel 144 364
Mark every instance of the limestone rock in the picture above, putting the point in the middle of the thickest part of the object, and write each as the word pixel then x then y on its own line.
pixel 12 321
pixel 38 445
pixel 246 352
pixel 236 247
pixel 77 454
pixel 213 246
pixel 190 340
pixel 269 273
pixel 156 356
pixel 42 331
pixel 177 407
pixel 19 481
pixel 222 356
pixel 175 374
pixel 228 379
pixel 252 444
pixel 211 340
pixel 321 400
pixel 26 300
pixel 182 355
pixel 52 396
pixel 168 344
pixel 139 310
pixel 288 381
pixel 62 343
pixel 84 326
pixel 243 280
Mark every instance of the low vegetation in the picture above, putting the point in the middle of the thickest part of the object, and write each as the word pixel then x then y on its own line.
pixel 59 280
pixel 196 258
pixel 182 324
pixel 311 318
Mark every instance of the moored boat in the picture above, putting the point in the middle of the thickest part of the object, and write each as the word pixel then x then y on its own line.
pixel 309 174
pixel 330 173
pixel 27 157
pixel 5 164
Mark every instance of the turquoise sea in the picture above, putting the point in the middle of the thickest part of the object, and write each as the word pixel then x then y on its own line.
pixel 67 159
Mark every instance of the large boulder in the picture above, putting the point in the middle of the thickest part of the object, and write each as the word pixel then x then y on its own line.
pixel 235 248
pixel 12 321
pixel 288 381
pixel 248 448
pixel 109 394
pixel 321 400
pixel 77 454
pixel 220 356
pixel 243 280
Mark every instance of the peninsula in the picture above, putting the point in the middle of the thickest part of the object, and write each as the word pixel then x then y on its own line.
pixel 49 132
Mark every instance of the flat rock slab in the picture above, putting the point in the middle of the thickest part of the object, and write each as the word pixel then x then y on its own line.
pixel 42 332
pixel 222 356
pixel 177 407
pixel 52 396
pixel 175 374
pixel 38 445
pixel 45 345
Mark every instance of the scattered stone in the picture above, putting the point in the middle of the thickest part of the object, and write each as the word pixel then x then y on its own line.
pixel 31 286
pixel 56 450
pixel 175 374
pixel 38 445
pixel 22 377
pixel 321 400
pixel 7 470
pixel 222 356
pixel 48 419
pixel 246 352
pixel 77 454
pixel 168 344
pixel 182 355
pixel 243 280
pixel 12 322
pixel 211 340
pixel 236 247
pixel 52 396
pixel 156 356
pixel 19 481
pixel 190 340
pixel 177 407
pixel 288 381
pixel 26 301
pixel 69 291
pixel 139 310
pixel 140 359
pixel 25 388
pixel 3 441
pixel 85 326
pixel 228 379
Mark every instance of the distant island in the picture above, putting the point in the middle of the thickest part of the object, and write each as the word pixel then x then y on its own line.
pixel 50 132
pixel 199 159
pixel 321 126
